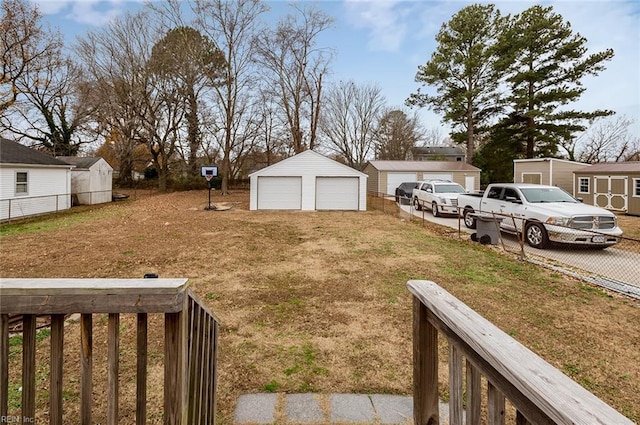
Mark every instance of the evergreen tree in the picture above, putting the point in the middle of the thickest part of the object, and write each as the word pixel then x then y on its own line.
pixel 462 72
pixel 543 62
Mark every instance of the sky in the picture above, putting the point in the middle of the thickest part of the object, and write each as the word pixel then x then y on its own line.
pixel 383 42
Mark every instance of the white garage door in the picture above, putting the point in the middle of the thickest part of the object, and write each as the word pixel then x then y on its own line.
pixel 437 176
pixel 337 193
pixel 279 193
pixel 394 180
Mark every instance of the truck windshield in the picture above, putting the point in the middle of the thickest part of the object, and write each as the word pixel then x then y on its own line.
pixel 448 188
pixel 547 194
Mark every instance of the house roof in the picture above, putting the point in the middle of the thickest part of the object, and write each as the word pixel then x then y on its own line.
pixel 80 162
pixel 313 155
pixel 438 150
pixel 14 153
pixel 422 166
pixel 612 167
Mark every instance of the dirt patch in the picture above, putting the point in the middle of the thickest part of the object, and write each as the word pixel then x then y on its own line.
pixel 316 301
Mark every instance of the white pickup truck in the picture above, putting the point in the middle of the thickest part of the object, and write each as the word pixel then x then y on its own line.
pixel 547 213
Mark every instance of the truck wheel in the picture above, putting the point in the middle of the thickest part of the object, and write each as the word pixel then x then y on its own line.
pixel 469 220
pixel 536 235
pixel 434 210
pixel 416 204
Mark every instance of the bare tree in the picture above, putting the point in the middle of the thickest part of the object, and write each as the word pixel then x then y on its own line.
pixel 396 134
pixel 233 25
pixel 53 107
pixel 134 102
pixel 606 140
pixel 349 117
pixel 296 67
pixel 24 43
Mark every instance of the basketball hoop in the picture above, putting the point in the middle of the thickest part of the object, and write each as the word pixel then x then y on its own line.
pixel 208 177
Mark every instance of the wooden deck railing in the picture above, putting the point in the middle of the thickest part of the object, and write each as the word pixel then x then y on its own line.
pixel 190 344
pixel 540 393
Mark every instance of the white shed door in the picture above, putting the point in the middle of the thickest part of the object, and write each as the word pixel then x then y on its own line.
pixel 394 180
pixel 437 176
pixel 337 193
pixel 279 193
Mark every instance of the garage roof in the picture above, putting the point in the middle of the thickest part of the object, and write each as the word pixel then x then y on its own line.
pixel 422 166
pixel 301 162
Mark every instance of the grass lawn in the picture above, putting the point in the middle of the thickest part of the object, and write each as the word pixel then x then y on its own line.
pixel 314 301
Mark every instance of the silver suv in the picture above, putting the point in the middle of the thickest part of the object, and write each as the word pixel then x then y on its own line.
pixel 440 196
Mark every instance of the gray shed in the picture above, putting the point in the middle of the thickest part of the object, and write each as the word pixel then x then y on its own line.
pixel 385 176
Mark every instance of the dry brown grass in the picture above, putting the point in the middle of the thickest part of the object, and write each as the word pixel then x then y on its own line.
pixel 316 301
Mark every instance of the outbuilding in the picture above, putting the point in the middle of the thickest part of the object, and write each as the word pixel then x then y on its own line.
pixel 308 181
pixel 31 182
pixel 91 179
pixel 548 171
pixel 611 185
pixel 385 176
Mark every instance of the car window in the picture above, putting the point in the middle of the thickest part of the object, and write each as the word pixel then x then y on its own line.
pixel 449 188
pixel 494 193
pixel 511 195
pixel 547 194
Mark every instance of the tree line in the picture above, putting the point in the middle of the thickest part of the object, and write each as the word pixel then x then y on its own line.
pixel 180 84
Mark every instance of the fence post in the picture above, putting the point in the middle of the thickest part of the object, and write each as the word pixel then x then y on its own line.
pixel 425 367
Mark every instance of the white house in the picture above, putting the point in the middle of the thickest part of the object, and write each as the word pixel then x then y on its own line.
pixel 91 179
pixel 308 181
pixel 31 182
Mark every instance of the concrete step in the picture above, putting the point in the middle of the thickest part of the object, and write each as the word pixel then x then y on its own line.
pixel 281 408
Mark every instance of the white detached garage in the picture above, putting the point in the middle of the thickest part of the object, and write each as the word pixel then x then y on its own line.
pixel 308 181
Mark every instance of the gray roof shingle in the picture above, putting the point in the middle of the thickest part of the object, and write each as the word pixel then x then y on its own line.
pixel 14 153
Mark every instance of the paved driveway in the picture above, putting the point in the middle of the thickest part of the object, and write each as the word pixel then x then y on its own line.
pixel 611 264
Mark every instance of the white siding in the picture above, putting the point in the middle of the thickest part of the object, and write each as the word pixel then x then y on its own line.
pixel 337 193
pixel 48 191
pixel 308 166
pixel 93 186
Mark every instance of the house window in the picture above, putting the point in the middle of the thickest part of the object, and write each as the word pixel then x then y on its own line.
pixel 583 185
pixel 636 187
pixel 22 183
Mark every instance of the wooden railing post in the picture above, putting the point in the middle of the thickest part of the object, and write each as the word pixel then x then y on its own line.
pixel 113 343
pixel 86 368
pixel 29 367
pixel 425 368
pixel 176 368
pixel 455 385
pixel 4 364
pixel 141 369
pixel 474 394
pixel 495 406
pixel 57 360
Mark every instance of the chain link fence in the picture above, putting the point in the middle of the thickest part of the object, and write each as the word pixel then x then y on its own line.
pixel 616 267
pixel 27 206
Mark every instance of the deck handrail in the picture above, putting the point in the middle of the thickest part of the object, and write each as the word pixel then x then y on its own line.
pixel 190 347
pixel 540 393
